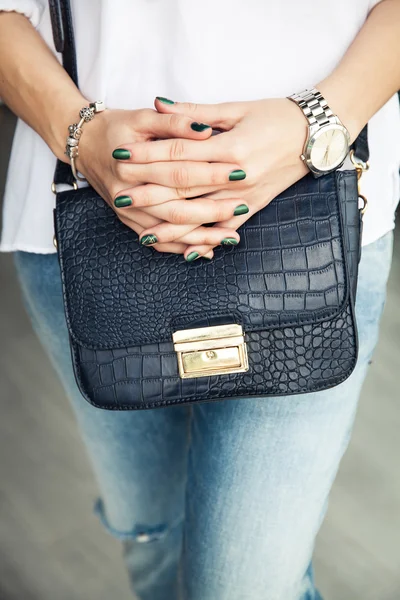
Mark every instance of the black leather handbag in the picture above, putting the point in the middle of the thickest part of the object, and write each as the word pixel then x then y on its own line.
pixel 272 316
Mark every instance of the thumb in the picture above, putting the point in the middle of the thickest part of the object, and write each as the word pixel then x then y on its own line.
pixel 222 116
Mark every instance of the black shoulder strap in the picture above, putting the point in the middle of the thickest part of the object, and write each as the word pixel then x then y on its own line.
pixel 64 41
pixel 360 145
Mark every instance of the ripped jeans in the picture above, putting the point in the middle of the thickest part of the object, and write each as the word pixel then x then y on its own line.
pixel 220 501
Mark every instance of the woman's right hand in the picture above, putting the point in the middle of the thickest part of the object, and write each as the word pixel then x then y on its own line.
pixel 115 128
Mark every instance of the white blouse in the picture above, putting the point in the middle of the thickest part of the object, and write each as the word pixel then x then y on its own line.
pixel 130 51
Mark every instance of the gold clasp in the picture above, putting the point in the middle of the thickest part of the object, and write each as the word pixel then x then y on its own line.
pixel 211 351
pixel 360 167
pixel 54 187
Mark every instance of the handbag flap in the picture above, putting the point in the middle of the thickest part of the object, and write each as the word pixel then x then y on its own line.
pixel 289 269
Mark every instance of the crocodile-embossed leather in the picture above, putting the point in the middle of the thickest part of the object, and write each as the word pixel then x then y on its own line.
pixel 285 361
pixel 290 283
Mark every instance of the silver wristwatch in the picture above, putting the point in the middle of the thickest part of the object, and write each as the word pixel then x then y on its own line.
pixel 328 140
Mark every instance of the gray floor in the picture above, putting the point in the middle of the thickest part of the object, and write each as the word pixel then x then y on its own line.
pixel 51 547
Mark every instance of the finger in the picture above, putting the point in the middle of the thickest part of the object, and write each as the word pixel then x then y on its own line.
pixel 223 116
pixel 203 210
pixel 142 196
pixel 235 222
pixel 173 247
pixel 194 252
pixel 209 236
pixel 206 252
pixel 172 125
pixel 216 149
pixel 183 174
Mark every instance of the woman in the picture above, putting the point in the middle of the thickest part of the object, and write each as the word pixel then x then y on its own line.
pixel 224 500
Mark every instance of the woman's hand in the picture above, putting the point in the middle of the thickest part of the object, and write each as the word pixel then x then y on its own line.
pixel 263 138
pixel 103 161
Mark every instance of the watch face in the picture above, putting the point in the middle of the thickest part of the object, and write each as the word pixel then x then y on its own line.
pixel 328 147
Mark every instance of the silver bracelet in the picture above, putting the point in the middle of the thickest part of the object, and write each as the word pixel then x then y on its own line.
pixel 75 131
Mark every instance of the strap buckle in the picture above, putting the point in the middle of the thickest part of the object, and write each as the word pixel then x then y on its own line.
pixel 360 167
pixel 74 185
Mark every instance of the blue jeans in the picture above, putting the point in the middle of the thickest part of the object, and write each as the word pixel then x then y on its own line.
pixel 219 501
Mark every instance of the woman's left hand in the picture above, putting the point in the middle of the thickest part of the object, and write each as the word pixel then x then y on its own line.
pixel 264 137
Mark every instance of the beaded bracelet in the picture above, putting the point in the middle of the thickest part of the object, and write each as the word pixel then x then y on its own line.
pixel 75 131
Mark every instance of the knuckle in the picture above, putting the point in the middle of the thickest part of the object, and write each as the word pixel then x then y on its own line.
pixel 183 193
pixel 143 117
pixel 177 216
pixel 216 177
pixel 141 197
pixel 177 149
pixel 219 212
pixel 174 121
pixel 191 107
pixel 180 177
pixel 237 151
pixel 205 237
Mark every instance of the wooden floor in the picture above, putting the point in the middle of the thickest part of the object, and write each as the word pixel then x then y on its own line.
pixel 52 548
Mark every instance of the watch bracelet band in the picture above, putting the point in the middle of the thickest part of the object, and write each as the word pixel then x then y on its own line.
pixel 314 107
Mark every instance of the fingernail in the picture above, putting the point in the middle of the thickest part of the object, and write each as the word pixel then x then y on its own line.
pixel 149 239
pixel 165 100
pixel 199 127
pixel 122 201
pixel 192 256
pixel 121 154
pixel 242 209
pixel 237 175
pixel 229 242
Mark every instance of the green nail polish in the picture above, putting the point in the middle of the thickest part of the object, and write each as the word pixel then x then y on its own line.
pixel 199 127
pixel 165 100
pixel 192 256
pixel 122 201
pixel 149 239
pixel 237 175
pixel 121 154
pixel 229 242
pixel 242 209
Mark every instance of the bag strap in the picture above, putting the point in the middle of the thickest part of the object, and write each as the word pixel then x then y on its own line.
pixel 64 41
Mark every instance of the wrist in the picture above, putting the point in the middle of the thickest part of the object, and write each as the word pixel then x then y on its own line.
pixel 67 113
pixel 344 103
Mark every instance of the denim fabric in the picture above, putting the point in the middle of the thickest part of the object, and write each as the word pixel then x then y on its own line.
pixel 220 501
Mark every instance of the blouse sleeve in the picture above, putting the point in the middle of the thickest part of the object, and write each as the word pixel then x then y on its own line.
pixel 371 4
pixel 32 9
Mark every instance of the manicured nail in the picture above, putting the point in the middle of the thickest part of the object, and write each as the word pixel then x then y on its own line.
pixel 199 127
pixel 122 201
pixel 121 154
pixel 192 256
pixel 237 175
pixel 149 239
pixel 242 209
pixel 229 242
pixel 165 100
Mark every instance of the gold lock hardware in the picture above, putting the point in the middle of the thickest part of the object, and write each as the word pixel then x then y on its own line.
pixel 211 351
